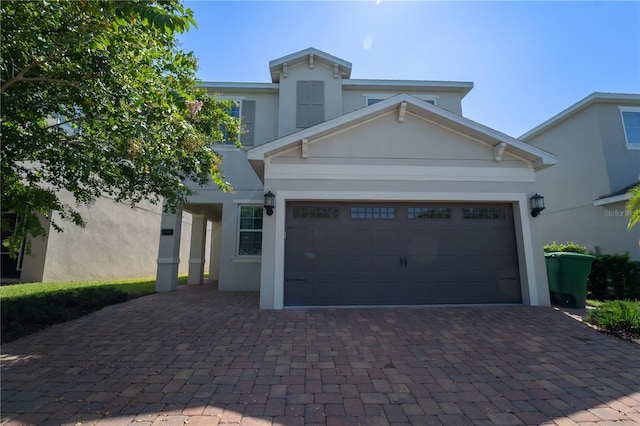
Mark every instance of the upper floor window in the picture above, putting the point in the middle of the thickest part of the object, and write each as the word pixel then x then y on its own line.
pixel 309 103
pixel 631 124
pixel 245 110
pixel 370 99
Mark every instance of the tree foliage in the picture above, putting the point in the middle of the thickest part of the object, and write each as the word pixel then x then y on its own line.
pixel 633 206
pixel 98 100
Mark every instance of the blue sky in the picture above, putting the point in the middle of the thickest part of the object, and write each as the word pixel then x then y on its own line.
pixel 527 60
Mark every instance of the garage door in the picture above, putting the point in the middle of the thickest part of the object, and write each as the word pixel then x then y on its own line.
pixel 400 254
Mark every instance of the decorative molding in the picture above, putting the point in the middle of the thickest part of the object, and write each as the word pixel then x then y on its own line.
pixel 402 109
pixel 498 151
pixel 395 173
pixel 336 71
pixel 305 148
pixel 168 260
pixel 311 60
pixel 284 70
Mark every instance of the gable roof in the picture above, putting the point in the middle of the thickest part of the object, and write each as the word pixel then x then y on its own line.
pixel 594 98
pixel 538 157
pixel 275 66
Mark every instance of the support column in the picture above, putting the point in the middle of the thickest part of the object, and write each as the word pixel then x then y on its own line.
pixel 169 251
pixel 214 251
pixel 198 244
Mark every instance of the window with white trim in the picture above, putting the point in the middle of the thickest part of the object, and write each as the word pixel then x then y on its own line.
pixel 373 98
pixel 631 125
pixel 250 230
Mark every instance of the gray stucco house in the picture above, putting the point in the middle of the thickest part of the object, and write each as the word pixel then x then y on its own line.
pixel 385 194
pixel 597 142
pixel 118 242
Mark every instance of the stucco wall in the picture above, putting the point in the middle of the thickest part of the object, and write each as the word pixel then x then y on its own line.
pixel 593 161
pixel 288 87
pixel 118 242
pixel 623 164
pixel 353 99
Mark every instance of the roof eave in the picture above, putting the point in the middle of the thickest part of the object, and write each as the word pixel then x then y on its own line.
pixel 275 66
pixel 595 97
pixel 540 159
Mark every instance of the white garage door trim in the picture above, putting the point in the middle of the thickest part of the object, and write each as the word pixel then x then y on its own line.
pixel 530 294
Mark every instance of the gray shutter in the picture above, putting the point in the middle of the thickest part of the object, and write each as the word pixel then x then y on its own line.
pixel 248 122
pixel 309 103
pixel 302 103
pixel 316 112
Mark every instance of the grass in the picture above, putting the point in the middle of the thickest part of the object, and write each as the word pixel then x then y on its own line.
pixel 133 287
pixel 594 303
pixel 619 317
pixel 29 307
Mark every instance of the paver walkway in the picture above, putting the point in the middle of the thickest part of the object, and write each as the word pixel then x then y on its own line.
pixel 200 357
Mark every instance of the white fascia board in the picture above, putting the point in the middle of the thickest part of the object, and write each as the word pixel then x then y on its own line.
pixel 596 97
pixel 611 200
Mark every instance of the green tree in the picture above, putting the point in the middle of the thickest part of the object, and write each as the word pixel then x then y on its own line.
pixel 98 99
pixel 633 206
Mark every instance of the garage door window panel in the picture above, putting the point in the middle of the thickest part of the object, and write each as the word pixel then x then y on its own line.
pixel 484 213
pixel 315 212
pixel 428 213
pixel 373 213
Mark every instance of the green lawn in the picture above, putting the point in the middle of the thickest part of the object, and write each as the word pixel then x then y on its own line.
pixel 133 287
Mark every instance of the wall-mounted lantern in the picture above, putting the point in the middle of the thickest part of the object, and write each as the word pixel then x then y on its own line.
pixel 269 202
pixel 537 204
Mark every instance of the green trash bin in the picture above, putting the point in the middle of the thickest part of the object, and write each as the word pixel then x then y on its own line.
pixel 567 275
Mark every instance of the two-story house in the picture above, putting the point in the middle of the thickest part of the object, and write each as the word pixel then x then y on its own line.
pixel 597 142
pixel 384 194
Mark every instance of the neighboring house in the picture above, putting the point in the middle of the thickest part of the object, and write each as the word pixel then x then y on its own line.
pixel 384 195
pixel 597 142
pixel 118 242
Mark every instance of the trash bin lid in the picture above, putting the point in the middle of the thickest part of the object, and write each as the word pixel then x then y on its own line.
pixel 568 254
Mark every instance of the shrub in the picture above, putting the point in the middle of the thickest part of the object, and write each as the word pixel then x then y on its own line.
pixel 569 247
pixel 617 316
pixel 25 314
pixel 614 276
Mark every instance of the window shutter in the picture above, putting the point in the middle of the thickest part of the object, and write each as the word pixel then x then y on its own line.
pixel 309 103
pixel 302 104
pixel 248 122
pixel 317 102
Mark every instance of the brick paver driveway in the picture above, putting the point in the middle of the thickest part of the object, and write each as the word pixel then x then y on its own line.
pixel 200 357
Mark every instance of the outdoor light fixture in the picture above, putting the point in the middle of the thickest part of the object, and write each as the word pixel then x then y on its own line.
pixel 270 202
pixel 537 204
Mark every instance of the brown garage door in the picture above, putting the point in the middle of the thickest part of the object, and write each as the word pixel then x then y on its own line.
pixel 400 254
